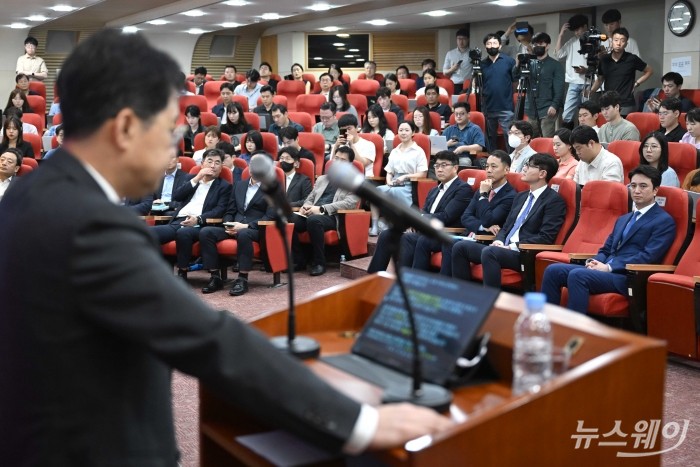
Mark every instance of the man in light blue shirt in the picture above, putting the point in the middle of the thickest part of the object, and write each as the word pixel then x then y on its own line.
pixel 250 89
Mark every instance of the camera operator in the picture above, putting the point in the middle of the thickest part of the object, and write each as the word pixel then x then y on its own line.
pixel 612 21
pixel 523 35
pixel 617 70
pixel 546 86
pixel 575 67
pixel 498 79
pixel 457 65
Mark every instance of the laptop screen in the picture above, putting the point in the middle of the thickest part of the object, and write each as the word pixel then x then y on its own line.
pixel 448 314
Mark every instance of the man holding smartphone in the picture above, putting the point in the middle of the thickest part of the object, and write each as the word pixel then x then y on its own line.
pixel 348 135
pixel 575 69
pixel 457 65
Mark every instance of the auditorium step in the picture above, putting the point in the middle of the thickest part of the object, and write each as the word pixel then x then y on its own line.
pixel 356 268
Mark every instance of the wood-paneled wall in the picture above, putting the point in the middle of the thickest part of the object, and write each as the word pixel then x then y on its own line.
pixel 390 50
pixel 242 55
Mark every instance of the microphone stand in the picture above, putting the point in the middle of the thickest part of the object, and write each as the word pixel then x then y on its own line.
pixel 420 393
pixel 299 346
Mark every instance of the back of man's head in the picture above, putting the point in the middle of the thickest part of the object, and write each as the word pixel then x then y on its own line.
pixel 347 120
pixel 609 99
pixel 114 60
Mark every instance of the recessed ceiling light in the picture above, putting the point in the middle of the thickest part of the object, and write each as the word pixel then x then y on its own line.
pixel 193 13
pixel 342 36
pixel 320 7
pixel 270 16
pixel 62 8
pixel 230 25
pixel 354 50
pixel 318 58
pixel 19 26
pixel 37 18
pixel 437 13
pixel 158 22
pixel 378 22
pixel 507 2
pixel 338 44
pixel 349 56
pixel 236 3
pixel 130 29
pixel 195 31
pixel 330 29
pixel 342 48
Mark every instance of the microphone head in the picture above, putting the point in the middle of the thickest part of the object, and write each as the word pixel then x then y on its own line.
pixel 345 176
pixel 262 168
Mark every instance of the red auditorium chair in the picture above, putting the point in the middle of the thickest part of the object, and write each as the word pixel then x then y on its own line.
pixel 57 119
pixel 212 92
pixel 544 145
pixel 30 162
pixel 186 101
pixel 392 122
pixel 315 143
pixel 358 101
pixel 401 101
pixel 378 142
pixel 198 142
pixel 646 122
pixel 186 163
pixel 310 77
pixel 277 99
pixel 365 87
pixel 38 105
pixel 435 120
pixel 310 104
pixel 447 85
pixel 673 301
pixel 24 169
pixel 38 87
pixel 693 95
pixel 408 85
pixel 240 163
pixel 36 120
pixel 306 167
pixel 253 120
pixel 602 202
pixel 270 143
pixel 683 158
pixel 291 89
pixel 377 77
pixel 303 119
pixel 35 141
pixel 54 142
pixel 515 179
pixel 630 310
pixel 243 100
pixel 209 119
pixel 628 152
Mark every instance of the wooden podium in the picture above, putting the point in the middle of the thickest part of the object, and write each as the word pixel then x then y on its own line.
pixel 615 376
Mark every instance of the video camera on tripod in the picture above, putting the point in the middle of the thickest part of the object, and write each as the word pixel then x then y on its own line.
pixel 590 46
pixel 475 58
pixel 524 62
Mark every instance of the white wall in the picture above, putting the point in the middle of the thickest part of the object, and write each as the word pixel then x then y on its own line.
pixel 291 48
pixel 12 41
pixel 180 46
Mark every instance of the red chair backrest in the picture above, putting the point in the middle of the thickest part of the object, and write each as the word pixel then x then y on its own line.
pixel 54 142
pixel 401 101
pixel 199 101
pixel 291 89
pixel 243 100
pixel 239 163
pixel 366 87
pixel 212 92
pixel 253 120
pixel 378 142
pixel 422 100
pixel 423 141
pixel 35 141
pixel 38 105
pixel 310 77
pixel 347 78
pixel 315 143
pixel 36 120
pixel 408 85
pixel 209 119
pixel 435 121
pixel 473 177
pixel 303 119
pixel 544 145
pixel 186 163
pixel 446 84
pixel 225 174
pixel 57 119
pixel 281 178
pixel 683 158
pixel 516 180
pixel 681 119
pixel 310 103
pixel 571 194
pixel 359 101
pixel 689 264
pixel 693 95
pixel 30 162
pixel 306 167
pixel 392 122
pixel 600 121
pixel 277 99
pixel 270 144
pixel 628 152
pixel 199 140
pixel 423 187
pixel 678 204
pixel 189 85
pixel 377 77
pixel 24 169
pixel 646 122
pixel 602 202
pixel 38 86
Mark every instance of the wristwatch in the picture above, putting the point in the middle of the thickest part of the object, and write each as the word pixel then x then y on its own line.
pixel 322 209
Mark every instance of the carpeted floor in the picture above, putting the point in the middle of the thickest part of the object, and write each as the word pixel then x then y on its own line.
pixel 682 380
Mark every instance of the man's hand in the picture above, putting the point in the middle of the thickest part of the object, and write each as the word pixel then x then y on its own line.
pixel 204 172
pixel 494 229
pixel 311 210
pixel 653 104
pixel 581 70
pixel 597 266
pixel 564 28
pixel 190 221
pixel 400 423
pixel 486 186
pixel 510 29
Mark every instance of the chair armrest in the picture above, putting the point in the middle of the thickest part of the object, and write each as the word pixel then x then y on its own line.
pixel 350 211
pixel 581 255
pixel 454 230
pixel 214 220
pixel 484 238
pixel 540 247
pixel 266 223
pixel 162 218
pixel 650 267
pixel 379 180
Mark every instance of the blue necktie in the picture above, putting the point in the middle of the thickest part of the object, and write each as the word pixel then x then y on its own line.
pixel 521 218
pixel 629 225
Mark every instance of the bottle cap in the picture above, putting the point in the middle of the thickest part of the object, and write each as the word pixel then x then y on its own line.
pixel 535 300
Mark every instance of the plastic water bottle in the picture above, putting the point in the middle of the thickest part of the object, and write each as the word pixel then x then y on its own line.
pixel 532 348
pixel 342 258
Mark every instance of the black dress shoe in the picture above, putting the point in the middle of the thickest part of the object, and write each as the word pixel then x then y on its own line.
pixel 317 270
pixel 215 283
pixel 239 287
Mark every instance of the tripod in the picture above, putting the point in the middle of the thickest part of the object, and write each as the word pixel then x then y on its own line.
pixel 526 87
pixel 477 88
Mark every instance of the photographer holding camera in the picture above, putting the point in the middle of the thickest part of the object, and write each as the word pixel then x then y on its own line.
pixel 497 70
pixel 545 96
pixel 575 66
pixel 457 65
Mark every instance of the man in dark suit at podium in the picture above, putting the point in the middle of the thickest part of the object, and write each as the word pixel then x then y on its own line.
pixel 446 202
pixel 89 341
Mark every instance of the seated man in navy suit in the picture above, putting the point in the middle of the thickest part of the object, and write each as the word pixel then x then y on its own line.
pixel 297 184
pixel 489 208
pixel 446 202
pixel 642 236
pixel 246 207
pixel 203 196
pixel 536 217
pixel 173 178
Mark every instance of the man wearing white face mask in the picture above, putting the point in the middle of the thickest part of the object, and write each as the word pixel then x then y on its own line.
pixel 519 138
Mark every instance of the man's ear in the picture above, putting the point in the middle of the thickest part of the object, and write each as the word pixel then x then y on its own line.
pixel 125 126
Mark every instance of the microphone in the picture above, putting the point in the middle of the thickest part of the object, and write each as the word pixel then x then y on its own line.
pixel 399 214
pixel 262 169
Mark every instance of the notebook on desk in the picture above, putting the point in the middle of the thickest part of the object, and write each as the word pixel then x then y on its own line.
pixel 448 314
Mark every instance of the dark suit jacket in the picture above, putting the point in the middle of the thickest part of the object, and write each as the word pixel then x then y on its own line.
pixel 542 223
pixel 646 243
pixel 141 206
pixel 180 177
pixel 257 209
pixel 451 205
pixel 481 212
pixel 214 203
pixel 86 363
pixel 299 189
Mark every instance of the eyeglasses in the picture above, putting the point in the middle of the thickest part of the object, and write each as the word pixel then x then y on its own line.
pixel 534 166
pixel 460 114
pixel 651 146
pixel 443 165
pixel 664 113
